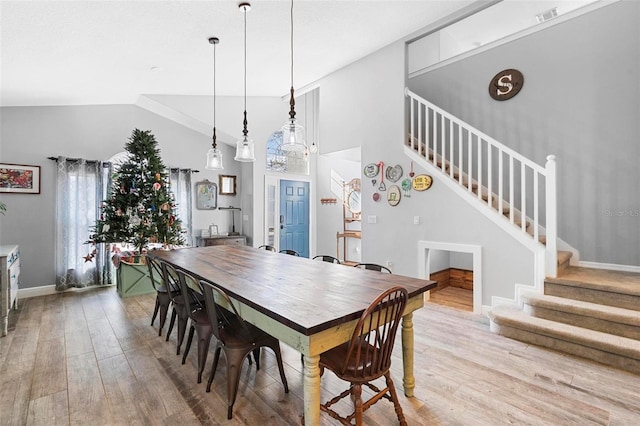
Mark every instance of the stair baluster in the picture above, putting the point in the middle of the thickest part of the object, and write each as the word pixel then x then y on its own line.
pixel 478 167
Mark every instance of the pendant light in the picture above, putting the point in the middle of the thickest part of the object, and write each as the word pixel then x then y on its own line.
pixel 214 155
pixel 244 146
pixel 292 132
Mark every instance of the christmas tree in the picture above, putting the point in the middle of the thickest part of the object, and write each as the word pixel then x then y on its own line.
pixel 140 209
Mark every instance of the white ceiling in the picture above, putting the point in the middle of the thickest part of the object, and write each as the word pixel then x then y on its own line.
pixel 104 52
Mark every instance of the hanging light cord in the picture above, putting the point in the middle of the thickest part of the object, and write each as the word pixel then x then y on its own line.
pixel 214 95
pixel 292 101
pixel 245 131
pixel 291 17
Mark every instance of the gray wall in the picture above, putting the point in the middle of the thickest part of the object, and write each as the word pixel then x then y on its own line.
pixel 329 216
pixel 265 115
pixel 363 105
pixel 31 134
pixel 580 102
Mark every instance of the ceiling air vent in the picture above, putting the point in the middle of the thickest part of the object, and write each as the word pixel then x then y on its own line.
pixel 545 16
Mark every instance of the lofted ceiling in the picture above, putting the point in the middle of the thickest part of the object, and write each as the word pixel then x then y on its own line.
pixel 86 52
pixel 110 52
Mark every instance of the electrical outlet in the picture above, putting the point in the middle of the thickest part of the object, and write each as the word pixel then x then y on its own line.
pixel 372 219
pixel 389 264
pixel 416 220
pixel 245 217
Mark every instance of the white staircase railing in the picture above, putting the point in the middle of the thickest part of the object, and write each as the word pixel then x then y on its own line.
pixel 497 176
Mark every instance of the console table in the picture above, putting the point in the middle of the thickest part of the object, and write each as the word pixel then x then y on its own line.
pixel 222 240
pixel 9 281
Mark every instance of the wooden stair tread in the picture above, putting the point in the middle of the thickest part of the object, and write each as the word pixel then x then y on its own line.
pixel 455 175
pixel 563 256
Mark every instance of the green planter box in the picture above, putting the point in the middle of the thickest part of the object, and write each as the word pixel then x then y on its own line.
pixel 133 279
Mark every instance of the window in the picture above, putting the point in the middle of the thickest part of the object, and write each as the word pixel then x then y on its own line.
pixel 285 162
pixel 81 187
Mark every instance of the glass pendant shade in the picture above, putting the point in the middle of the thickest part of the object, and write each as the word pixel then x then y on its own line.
pixel 214 159
pixel 293 137
pixel 313 148
pixel 244 150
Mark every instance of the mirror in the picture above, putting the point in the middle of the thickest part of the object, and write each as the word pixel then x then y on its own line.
pixel 353 201
pixel 206 195
pixel 227 185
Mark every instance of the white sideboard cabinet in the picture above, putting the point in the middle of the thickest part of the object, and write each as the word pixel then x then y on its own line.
pixel 9 281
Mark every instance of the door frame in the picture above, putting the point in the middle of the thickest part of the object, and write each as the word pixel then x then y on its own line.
pixel 424 264
pixel 275 180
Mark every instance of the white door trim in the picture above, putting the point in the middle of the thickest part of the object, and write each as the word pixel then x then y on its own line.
pixel 424 260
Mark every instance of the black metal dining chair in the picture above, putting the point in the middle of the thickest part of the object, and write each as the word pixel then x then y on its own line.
pixel 179 311
pixel 237 339
pixel 367 357
pixel 327 258
pixel 290 252
pixel 200 324
pixel 163 299
pixel 372 267
pixel 267 247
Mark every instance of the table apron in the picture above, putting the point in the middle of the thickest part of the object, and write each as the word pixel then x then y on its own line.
pixel 316 343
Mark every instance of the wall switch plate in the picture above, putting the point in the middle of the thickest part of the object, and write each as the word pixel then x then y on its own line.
pixel 416 220
pixel 245 217
pixel 372 219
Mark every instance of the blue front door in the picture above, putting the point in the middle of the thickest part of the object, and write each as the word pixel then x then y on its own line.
pixel 294 216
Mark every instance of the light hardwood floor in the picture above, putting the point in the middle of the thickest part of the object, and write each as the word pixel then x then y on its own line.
pixel 91 358
pixel 453 297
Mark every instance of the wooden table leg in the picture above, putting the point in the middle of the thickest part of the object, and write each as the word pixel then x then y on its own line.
pixel 311 390
pixel 408 381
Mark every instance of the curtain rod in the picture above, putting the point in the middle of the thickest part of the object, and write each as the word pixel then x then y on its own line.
pixel 73 160
pixel 106 163
pixel 174 169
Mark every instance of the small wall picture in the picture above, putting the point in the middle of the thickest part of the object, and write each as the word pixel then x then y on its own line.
pixel 206 195
pixel 19 179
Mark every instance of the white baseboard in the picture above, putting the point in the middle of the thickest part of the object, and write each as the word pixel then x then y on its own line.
pixel 611 266
pixel 485 310
pixel 47 290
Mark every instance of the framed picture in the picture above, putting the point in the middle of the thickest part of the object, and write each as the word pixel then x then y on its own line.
pixel 19 179
pixel 206 195
pixel 227 185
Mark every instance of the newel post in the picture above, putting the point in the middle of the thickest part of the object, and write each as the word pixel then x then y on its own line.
pixel 551 255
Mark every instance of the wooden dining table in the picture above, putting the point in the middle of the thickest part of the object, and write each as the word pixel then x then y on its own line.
pixel 309 305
